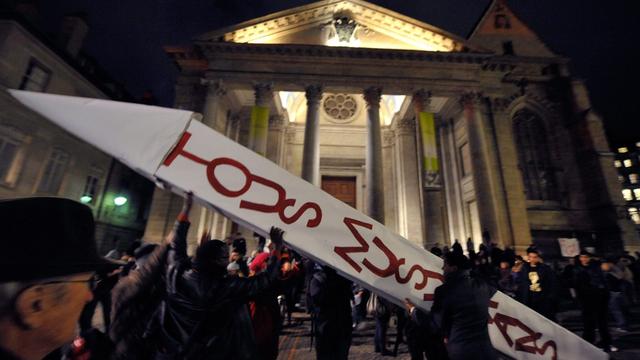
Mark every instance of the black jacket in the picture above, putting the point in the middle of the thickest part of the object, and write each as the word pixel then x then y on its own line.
pixel 206 316
pixel 546 280
pixel 460 312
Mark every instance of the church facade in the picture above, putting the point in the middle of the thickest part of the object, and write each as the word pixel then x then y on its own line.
pixel 441 138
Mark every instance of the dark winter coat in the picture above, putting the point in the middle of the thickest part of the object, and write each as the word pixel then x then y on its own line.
pixel 547 282
pixel 205 314
pixel 460 313
pixel 135 300
pixel 331 297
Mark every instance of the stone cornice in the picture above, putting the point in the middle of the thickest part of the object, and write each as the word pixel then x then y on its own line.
pixel 211 49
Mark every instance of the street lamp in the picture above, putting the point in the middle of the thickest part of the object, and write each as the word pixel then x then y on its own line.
pixel 86 199
pixel 120 200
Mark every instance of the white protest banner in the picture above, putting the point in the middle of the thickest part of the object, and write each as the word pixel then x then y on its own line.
pixel 569 247
pixel 252 190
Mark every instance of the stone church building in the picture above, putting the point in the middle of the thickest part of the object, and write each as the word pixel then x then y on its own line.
pixel 439 137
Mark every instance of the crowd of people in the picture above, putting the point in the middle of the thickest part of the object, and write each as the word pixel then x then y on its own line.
pixel 226 303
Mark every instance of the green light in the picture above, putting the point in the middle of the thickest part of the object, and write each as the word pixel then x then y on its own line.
pixel 120 200
pixel 85 199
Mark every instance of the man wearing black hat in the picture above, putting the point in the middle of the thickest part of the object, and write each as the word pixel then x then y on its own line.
pixel 47 268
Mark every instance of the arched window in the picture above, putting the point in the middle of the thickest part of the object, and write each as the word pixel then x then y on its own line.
pixel 533 156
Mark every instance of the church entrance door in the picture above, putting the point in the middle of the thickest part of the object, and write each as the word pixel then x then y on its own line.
pixel 342 188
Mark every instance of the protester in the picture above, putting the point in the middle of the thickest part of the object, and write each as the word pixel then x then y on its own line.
pixel 591 288
pixel 464 323
pixel 47 268
pixel 265 314
pixel 507 280
pixel 204 311
pixel 102 295
pixel 330 295
pixel 382 314
pixel 233 269
pixel 618 305
pixel 359 306
pixel 291 275
pixel 536 285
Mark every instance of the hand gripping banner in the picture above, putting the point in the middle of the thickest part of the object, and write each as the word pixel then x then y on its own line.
pixel 167 144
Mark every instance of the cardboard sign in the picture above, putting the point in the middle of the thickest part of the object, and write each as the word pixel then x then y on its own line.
pixel 569 247
pixel 257 193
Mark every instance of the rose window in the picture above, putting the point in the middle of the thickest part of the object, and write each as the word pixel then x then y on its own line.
pixel 340 107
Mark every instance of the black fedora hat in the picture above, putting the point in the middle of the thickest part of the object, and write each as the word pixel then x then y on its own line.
pixel 45 237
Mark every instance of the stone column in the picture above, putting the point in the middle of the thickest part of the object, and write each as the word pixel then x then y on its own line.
pixel 311 146
pixel 406 160
pixel 432 194
pixel 488 189
pixel 258 131
pixel 213 99
pixel 373 160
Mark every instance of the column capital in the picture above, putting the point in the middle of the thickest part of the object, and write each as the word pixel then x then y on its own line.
pixel 313 93
pixel 406 124
pixel 500 104
pixel 215 87
pixel 471 99
pixel 262 93
pixel 372 96
pixel 276 121
pixel 422 100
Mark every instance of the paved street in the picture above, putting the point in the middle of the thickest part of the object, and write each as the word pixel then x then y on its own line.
pixel 295 340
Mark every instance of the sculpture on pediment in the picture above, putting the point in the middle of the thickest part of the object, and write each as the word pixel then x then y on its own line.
pixel 343 30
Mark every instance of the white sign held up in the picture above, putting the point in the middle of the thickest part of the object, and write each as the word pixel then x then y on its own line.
pixel 569 247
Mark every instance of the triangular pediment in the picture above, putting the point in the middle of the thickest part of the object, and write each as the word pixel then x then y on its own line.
pixel 353 23
pixel 501 31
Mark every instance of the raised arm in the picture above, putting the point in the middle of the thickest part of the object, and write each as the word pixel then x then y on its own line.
pixel 178 238
pixel 250 287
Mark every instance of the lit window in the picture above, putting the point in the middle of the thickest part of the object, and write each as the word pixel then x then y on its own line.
pixel 633 178
pixel 623 150
pixel 36 78
pixel 54 172
pixel 12 154
pixel 617 163
pixel 626 194
pixel 636 193
pixel 627 163
pixel 620 178
pixel 91 186
pixel 635 216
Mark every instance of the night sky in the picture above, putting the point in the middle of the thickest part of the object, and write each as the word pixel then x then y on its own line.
pixel 126 38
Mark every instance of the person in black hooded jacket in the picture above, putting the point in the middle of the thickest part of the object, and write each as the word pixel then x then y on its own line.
pixel 204 314
pixel 459 312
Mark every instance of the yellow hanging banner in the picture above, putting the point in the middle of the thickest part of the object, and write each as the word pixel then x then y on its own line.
pixel 259 129
pixel 430 163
